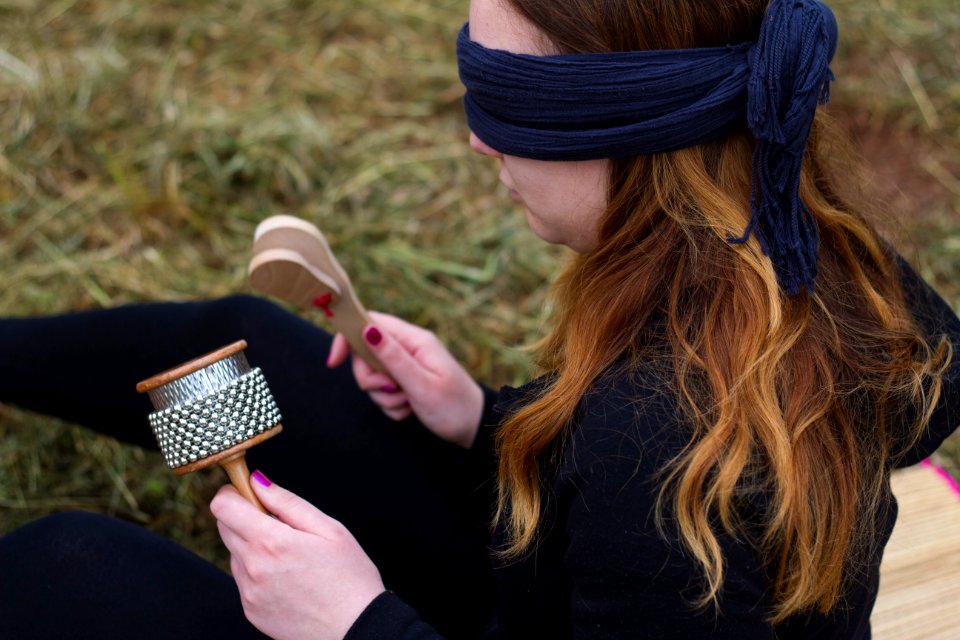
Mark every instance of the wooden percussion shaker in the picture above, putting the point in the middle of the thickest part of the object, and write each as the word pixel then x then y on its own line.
pixel 210 411
pixel 292 261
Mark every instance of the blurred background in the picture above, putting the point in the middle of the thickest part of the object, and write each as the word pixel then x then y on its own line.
pixel 143 141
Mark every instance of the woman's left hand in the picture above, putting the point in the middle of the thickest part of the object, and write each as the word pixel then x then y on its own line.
pixel 302 575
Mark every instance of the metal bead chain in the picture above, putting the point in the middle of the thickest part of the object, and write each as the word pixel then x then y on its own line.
pixel 238 411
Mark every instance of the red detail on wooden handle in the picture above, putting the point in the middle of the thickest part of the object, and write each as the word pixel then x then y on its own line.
pixel 323 302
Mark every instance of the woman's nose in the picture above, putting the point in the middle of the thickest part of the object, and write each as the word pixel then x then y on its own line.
pixel 482 147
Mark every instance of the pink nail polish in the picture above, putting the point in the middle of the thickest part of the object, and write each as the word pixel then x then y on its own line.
pixel 262 479
pixel 390 388
pixel 373 336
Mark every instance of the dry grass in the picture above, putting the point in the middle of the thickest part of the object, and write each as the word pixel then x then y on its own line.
pixel 144 141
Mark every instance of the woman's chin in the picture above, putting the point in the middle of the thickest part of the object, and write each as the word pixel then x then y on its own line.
pixel 554 236
pixel 539 229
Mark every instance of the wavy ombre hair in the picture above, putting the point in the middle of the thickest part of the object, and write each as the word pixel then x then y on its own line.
pixel 791 399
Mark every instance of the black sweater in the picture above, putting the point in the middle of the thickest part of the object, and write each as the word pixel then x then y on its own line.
pixel 602 569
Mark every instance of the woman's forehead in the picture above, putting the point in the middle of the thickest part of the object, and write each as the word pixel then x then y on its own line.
pixel 495 24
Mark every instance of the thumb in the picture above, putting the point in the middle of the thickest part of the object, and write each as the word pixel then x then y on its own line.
pixel 288 507
pixel 399 363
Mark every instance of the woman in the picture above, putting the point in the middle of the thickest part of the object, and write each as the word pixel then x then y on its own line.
pixel 736 364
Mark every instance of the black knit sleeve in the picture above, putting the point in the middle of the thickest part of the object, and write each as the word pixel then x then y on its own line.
pixel 497 406
pixel 935 319
pixel 390 618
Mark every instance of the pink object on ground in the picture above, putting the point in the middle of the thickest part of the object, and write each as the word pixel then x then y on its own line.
pixel 943 473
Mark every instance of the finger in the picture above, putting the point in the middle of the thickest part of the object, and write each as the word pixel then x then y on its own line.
pixel 339 350
pixel 232 540
pixel 224 503
pixel 399 414
pixel 290 508
pixel 423 345
pixel 236 512
pixel 413 338
pixel 241 576
pixel 370 380
pixel 388 400
pixel 238 569
pixel 397 360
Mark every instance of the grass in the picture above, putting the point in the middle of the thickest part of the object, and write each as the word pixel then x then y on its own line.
pixel 145 140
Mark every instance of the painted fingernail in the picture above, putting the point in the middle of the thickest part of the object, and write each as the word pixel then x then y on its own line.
pixel 262 479
pixel 390 388
pixel 373 336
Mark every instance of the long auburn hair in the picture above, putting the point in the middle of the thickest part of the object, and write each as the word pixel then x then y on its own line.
pixel 793 398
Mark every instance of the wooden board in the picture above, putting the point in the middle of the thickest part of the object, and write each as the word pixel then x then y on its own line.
pixel 920 574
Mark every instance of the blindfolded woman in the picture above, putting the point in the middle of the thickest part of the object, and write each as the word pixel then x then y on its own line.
pixel 736 363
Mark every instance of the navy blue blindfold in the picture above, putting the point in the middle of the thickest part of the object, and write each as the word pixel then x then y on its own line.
pixel 612 105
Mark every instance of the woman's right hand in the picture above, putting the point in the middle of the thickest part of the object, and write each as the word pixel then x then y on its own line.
pixel 421 378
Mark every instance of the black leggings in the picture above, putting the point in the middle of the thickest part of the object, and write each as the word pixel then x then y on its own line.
pixel 407 496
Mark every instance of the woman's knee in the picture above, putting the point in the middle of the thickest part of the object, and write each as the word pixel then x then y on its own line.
pixel 57 538
pixel 260 321
pixel 245 311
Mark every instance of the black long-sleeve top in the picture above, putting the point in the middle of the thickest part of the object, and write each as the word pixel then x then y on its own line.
pixel 603 570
